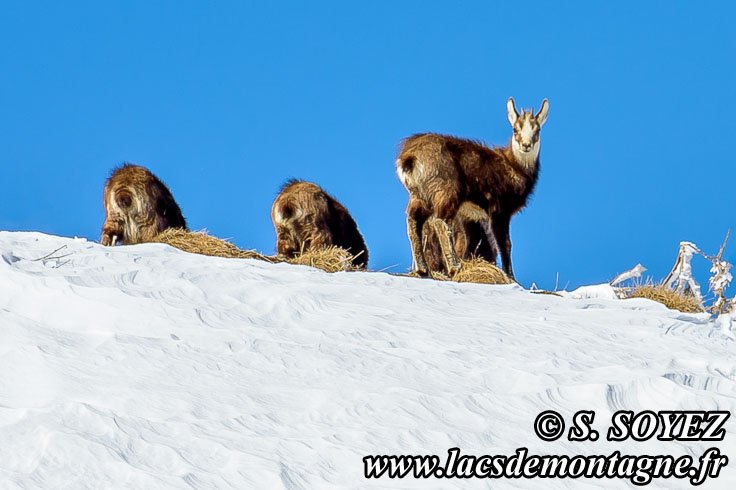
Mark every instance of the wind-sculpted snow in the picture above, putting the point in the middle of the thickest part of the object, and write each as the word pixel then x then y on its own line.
pixel 145 367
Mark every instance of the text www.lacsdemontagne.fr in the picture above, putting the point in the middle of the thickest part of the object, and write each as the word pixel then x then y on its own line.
pixel 639 469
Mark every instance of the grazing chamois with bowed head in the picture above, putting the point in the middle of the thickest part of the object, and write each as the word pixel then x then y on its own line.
pixel 307 218
pixel 470 235
pixel 448 176
pixel 138 206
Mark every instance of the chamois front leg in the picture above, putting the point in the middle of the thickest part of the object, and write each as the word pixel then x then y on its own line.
pixel 500 226
pixel 445 237
pixel 112 233
pixel 319 237
pixel 285 242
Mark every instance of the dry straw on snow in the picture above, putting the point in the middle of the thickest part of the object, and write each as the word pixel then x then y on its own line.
pixel 329 259
pixel 204 244
pixel 671 299
pixel 478 271
pixel 481 272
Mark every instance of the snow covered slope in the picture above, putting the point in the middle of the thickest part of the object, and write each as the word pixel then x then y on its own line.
pixel 147 367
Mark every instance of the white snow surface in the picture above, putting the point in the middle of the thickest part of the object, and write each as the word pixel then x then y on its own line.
pixel 147 367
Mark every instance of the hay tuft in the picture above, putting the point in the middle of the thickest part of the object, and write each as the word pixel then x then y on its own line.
pixel 473 270
pixel 671 299
pixel 479 271
pixel 329 259
pixel 204 244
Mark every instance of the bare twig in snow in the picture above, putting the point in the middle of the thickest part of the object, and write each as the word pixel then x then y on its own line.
pixel 47 256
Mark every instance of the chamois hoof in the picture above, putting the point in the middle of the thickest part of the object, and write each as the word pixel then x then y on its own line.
pixel 454 270
pixel 108 239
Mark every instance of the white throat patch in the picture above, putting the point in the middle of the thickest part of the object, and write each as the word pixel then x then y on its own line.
pixel 526 159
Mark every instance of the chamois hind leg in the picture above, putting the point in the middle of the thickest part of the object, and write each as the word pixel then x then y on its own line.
pixel 481 242
pixel 475 231
pixel 416 215
pixel 446 206
pixel 488 250
pixel 446 239
pixel 500 225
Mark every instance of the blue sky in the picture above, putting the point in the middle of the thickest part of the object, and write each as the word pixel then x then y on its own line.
pixel 225 101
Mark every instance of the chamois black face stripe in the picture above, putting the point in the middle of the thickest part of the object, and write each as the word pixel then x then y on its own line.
pixel 526 118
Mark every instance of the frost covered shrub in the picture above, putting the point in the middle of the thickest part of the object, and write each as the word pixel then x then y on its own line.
pixel 680 290
pixel 680 279
pixel 718 283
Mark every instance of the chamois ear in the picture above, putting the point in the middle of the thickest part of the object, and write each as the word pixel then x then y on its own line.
pixel 511 110
pixel 542 114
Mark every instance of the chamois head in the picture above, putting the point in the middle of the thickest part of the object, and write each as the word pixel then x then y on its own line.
pixel 525 141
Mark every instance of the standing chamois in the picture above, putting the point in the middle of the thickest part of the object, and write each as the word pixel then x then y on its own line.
pixel 138 206
pixel 449 177
pixel 306 218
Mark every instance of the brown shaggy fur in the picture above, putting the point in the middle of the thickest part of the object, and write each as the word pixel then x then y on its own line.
pixel 442 173
pixel 138 206
pixel 307 218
